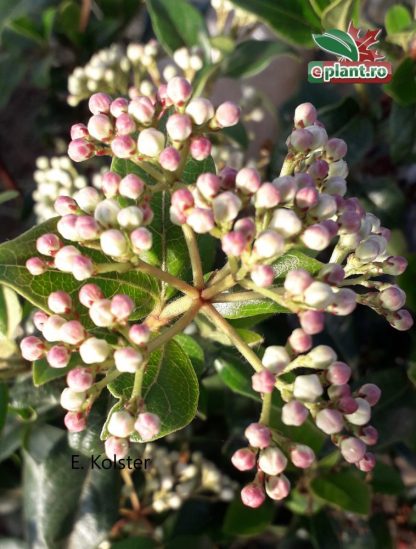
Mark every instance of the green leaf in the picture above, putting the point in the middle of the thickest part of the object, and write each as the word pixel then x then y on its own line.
pixel 293 20
pixel 10 313
pixel 240 520
pixel 397 19
pixel 194 168
pixel 10 437
pixel 170 388
pixel 4 401
pixel 238 134
pixel 177 24
pixel 338 43
pixel 8 195
pixel 124 167
pixel 339 13
pixel 295 259
pixel 402 131
pixel 143 289
pixel 251 57
pixel 194 351
pixel 302 503
pixel 381 531
pixel 344 490
pixel 386 479
pixel 43 373
pixel 324 531
pixel 402 87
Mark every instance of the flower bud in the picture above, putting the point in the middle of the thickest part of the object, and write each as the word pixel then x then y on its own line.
pixel 352 449
pixel 147 425
pixel 319 136
pixel 393 298
pixel 87 228
pixel 114 243
pixel 99 103
pixel 106 212
pixel 75 422
pixel 306 198
pixel 141 240
pixel 307 388
pixel 369 435
pixel 362 415
pixel 272 461
pixel 72 400
pixel 122 307
pixel 48 244
pixel 244 459
pixel 36 266
pixel 325 209
pixel 347 405
pixel 128 360
pixel 201 220
pixel 246 226
pixel 318 170
pixel 72 332
pixel 120 424
pixel 80 379
pixel 227 114
pixel 88 199
pixel 252 495
pixel 151 142
pixel 170 159
pixel 258 435
pixel 329 421
pixel 370 249
pixel 267 196
pixel 316 237
pixel 336 186
pixel 335 149
pixel 227 176
pixel 338 391
pixel 65 205
pixel 142 109
pixel 116 448
pixel 118 106
pixel 302 456
pixel 275 358
pixel 130 217
pixel 367 463
pixel 52 327
pixel 39 318
pixel 233 243
pixel 338 373
pixel 179 127
pixel 371 393
pixel 125 125
pixel 312 322
pixel 287 187
pixel 59 302
pixel 263 382
pixel 286 222
pixel 345 301
pixel 395 265
pixel 110 184
pixel 305 115
pixel 297 281
pixel 294 413
pixel 80 150
pixel 322 356
pixel 200 148
pixel 248 180
pixel 67 227
pixel 277 488
pixel 401 320
pixel 58 356
pixel 269 244
pixel 318 295
pixel 94 350
pixel 123 146
pixel 200 110
pixel 78 131
pixel 179 90
pixel 32 348
pixel 82 267
pixel 339 168
pixel 90 293
pixel 100 313
pixel 301 140
pixel 100 127
pixel 226 206
pixel 208 184
pixel 262 275
pixel 300 341
pixel 139 334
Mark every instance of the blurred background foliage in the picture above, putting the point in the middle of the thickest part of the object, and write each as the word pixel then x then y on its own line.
pixel 42 42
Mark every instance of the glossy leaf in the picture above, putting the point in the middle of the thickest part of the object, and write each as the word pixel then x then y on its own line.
pixel 170 388
pixel 339 13
pixel 402 87
pixel 397 19
pixel 402 131
pixel 344 490
pixel 251 57
pixel 194 168
pixel 240 520
pixel 194 351
pixel 10 313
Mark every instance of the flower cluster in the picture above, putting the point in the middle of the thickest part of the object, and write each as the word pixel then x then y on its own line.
pixel 228 14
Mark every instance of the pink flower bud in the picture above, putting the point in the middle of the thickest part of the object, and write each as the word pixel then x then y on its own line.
pixel 99 103
pixel 252 495
pixel 244 459
pixel 401 320
pixel 322 356
pixel 395 265
pixel 59 302
pixel 147 425
pixel 72 332
pixel 100 127
pixel 305 115
pixel 226 207
pixel 318 295
pixel 87 228
pixel 263 382
pixel 75 422
pixel 316 237
pixel 32 348
pixel 151 142
pixel 179 90
pixel 347 405
pixel 369 435
pixel 262 275
pixel 338 373
pixel 179 127
pixel 294 413
pixel 82 267
pixel 300 341
pixel 139 334
pixel 352 449
pixel 58 356
pixel 177 216
pixel 338 391
pixel 113 243
pixel 335 149
pixel 306 198
pixel 80 150
pixel 258 435
pixel 329 421
pixel 246 226
pixel 277 488
pixel 128 360
pixel 297 281
pixel 118 106
pixel 362 415
pixel 182 199
pixel 302 456
pixel 36 266
pixel 67 227
pixel 116 448
pixel 227 114
pixel 320 137
pixel 371 393
pixel 307 388
pixel 332 273
pixel 248 180
pixel 325 209
pixel 90 293
pixel 200 110
pixel 131 186
pixel 272 461
pixel 393 298
pixel 367 463
pixel 300 140
pixel 200 148
pixel 39 319
pixel 101 314
pixel 48 244
pixel 318 170
pixel 123 146
pixel 141 240
pixel 275 358
pixel 286 222
pixel 287 187
pixel 269 244
pixel 122 307
pixel 110 184
pixel 78 131
pixel 142 109
pixel 336 186
pixel 80 379
pixel 170 159
pixel 52 328
pixel 65 205
pixel 312 322
pixel 208 185
pixel 227 176
pixel 267 196
pixel 345 301
pixel 121 424
pixel 201 220
pixel 94 350
pixel 233 243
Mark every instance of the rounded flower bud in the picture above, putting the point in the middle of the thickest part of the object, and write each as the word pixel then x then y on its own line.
pixel 100 313
pixel 39 319
pixel 208 184
pixel 141 240
pixel 72 332
pixel 338 373
pixel 318 295
pixel 123 146
pixel 52 328
pixel 121 424
pixel 79 131
pixel 48 244
pixel 362 415
pixel 267 196
pixel 179 90
pixel 318 171
pixel 297 281
pixel 106 212
pixel 170 159
pixel 200 148
pixel 118 106
pixel 94 350
pixel 147 425
pixel 151 142
pixel 139 334
pixel 306 198
pixel 336 186
pixel 90 293
pixel 312 322
pixel 322 356
pixel 269 244
pixel 125 124
pixel 142 109
pixel 82 267
pixel 87 228
pixel 252 495
pixel 275 358
pixel 329 421
pixel 369 435
pixel 277 488
pixel 116 448
pixel 368 250
pixel 262 275
pixel 393 298
pixel 72 400
pixel 339 168
pixel 110 184
pixel 128 360
pixel 244 459
pixel 246 226
pixel 395 265
pixel 122 307
pixel 316 237
pixel 233 243
pixel 401 320
pixel 227 114
pixel 272 461
pixel 88 199
pixel 59 302
pixel 335 149
pixel 75 422
pixel 100 127
pixel 99 103
pixel 301 140
pixel 179 127
pixel 319 135
pixel 58 356
pixel 258 435
pixel 226 206
pixel 352 449
pixel 300 341
pixel 307 388
pixel 305 115
pixel 131 186
pixel 371 393
pixel 287 187
pixel 201 220
pixel 302 456
pixel 114 243
pixel 294 413
pixel 67 227
pixel 347 404
pixel 32 348
pixel 200 110
pixel 36 266
pixel 286 222
pixel 80 150
pixel 263 382
pixel 248 180
pixel 80 379
pixel 130 217
pixel 65 205
pixel 367 463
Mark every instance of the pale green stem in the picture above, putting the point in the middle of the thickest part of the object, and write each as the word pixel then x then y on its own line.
pixel 194 255
pixel 266 409
pixel 267 292
pixel 99 386
pixel 219 275
pixel 138 382
pixel 288 165
pixel 153 172
pixel 176 307
pixel 176 328
pixel 173 281
pixel 236 296
pixel 224 284
pixel 113 268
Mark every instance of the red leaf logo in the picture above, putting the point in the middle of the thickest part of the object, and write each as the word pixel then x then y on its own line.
pixel 365 42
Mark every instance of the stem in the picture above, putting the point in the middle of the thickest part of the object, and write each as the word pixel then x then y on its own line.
pixel 224 326
pixel 176 308
pixel 99 386
pixel 176 328
pixel 266 408
pixel 224 284
pixel 168 278
pixel 134 499
pixel 191 242
pixel 219 275
pixel 236 296
pixel 138 381
pixel 113 267
pixel 288 165
pixel 273 296
pixel 145 166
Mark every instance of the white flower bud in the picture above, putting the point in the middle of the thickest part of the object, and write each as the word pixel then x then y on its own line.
pixel 114 243
pixel 275 358
pixel 307 388
pixel 151 142
pixel 106 212
pixel 100 313
pixel 87 199
pixel 226 207
pixel 128 360
pixel 322 356
pixel 71 400
pixel 319 295
pixel 121 424
pixel 286 222
pixel 94 350
pixel 200 110
pixel 362 415
pixel 130 217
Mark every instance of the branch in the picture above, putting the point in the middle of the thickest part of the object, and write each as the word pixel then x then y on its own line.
pixel 195 257
pixel 224 284
pixel 177 283
pixel 176 328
